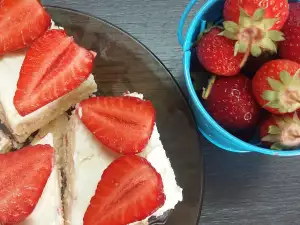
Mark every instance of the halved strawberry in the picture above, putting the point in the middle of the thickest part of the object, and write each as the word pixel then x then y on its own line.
pixel 53 66
pixel 123 124
pixel 21 22
pixel 130 190
pixel 23 176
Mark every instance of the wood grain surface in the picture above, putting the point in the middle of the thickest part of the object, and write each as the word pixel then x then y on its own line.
pixel 240 189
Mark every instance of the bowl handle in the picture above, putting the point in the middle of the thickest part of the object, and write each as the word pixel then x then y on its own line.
pixel 182 20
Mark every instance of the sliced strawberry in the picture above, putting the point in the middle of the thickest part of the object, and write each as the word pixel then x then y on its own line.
pixel 123 124
pixel 23 176
pixel 130 190
pixel 50 46
pixel 53 66
pixel 21 22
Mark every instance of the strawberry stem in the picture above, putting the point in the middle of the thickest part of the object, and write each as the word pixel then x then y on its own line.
pixel 247 53
pixel 206 91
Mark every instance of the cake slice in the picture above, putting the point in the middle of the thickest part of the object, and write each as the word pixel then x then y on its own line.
pixel 49 209
pixel 5 143
pixel 20 126
pixel 86 160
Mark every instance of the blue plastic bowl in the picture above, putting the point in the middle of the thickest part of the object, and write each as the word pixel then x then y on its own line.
pixel 211 11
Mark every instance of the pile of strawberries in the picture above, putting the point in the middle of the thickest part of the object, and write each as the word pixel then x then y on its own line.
pixel 254 59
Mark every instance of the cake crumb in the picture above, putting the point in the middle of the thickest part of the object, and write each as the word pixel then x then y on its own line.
pixel 134 94
pixel 5 143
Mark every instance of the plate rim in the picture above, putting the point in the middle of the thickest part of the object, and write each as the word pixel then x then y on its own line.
pixel 202 180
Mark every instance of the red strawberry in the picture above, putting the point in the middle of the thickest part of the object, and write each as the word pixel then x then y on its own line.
pixel 130 190
pixel 290 48
pixel 254 63
pixel 53 66
pixel 231 103
pixel 21 23
pixel 281 132
pixel 255 24
pixel 294 15
pixel 123 124
pixel 273 9
pixel 23 176
pixel 276 86
pixel 264 129
pixel 216 54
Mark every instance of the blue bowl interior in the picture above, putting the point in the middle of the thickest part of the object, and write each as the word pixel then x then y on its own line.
pixel 211 12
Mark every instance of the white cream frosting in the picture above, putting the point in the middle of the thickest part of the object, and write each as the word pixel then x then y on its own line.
pixel 91 158
pixel 48 210
pixel 10 66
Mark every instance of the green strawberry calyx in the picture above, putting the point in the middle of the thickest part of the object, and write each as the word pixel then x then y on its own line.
pixel 284 94
pixel 253 34
pixel 285 134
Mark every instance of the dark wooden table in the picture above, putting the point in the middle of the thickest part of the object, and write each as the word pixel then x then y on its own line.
pixel 240 188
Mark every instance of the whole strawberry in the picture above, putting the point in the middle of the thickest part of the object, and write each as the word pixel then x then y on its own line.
pixel 274 9
pixel 216 54
pixel 231 103
pixel 255 25
pixel 294 15
pixel 254 63
pixel 276 86
pixel 281 132
pixel 290 48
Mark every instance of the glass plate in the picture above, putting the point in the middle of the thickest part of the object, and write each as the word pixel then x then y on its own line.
pixel 124 64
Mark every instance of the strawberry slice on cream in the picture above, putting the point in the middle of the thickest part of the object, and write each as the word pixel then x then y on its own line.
pixel 53 66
